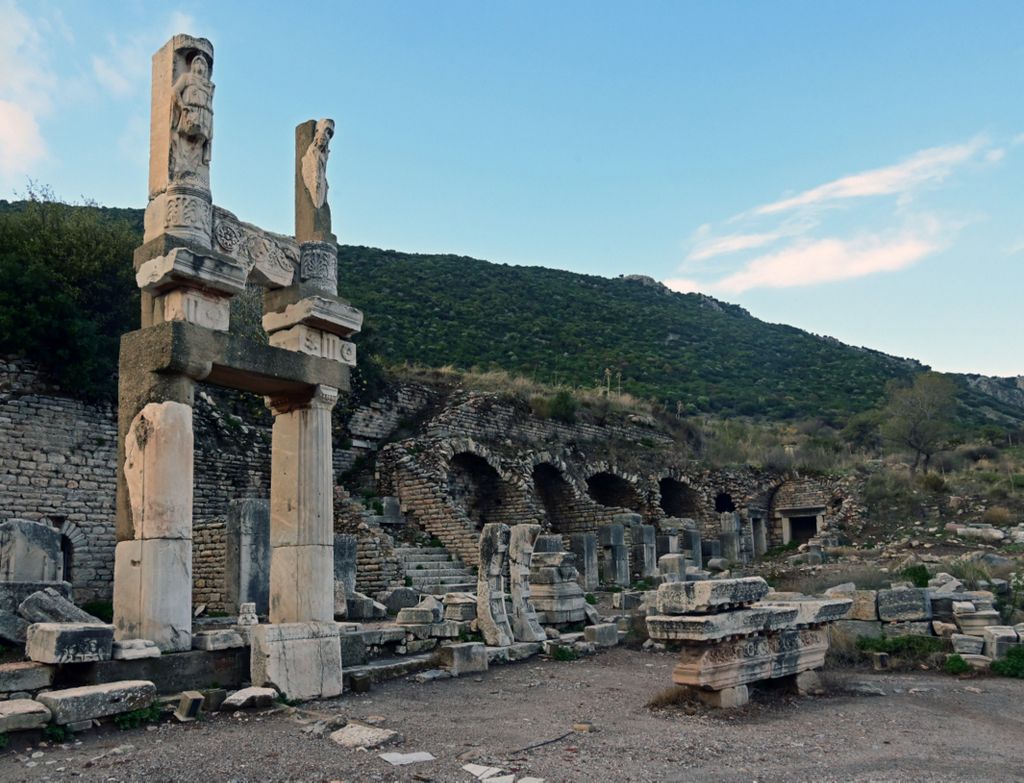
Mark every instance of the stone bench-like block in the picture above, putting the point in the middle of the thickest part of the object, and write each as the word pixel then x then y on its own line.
pixel 815 612
pixel 98 701
pixel 711 627
pixel 301 660
pixel 464 658
pixel 603 635
pixel 25 676
pixel 704 596
pixel 968 645
pixel 69 642
pixel 908 603
pixel 22 715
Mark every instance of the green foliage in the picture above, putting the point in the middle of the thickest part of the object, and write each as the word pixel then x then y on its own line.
pixel 917 575
pixel 641 584
pixel 919 417
pixel 590 598
pixel 564 654
pixel 67 289
pixel 1012 665
pixel 408 581
pixel 956 665
pixel 561 407
pixel 907 648
pixel 101 610
pixel 54 733
pixel 4 741
pixel 135 718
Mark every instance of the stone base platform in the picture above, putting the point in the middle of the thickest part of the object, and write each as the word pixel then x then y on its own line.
pixel 171 672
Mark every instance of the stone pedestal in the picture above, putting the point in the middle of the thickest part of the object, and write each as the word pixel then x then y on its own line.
pixel 584 546
pixel 301 660
pixel 301 509
pixel 645 558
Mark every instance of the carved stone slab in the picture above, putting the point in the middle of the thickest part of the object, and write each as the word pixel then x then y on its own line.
pixel 269 259
pixel 711 627
pixel 709 595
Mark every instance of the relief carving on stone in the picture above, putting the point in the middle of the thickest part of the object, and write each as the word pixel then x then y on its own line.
pixel 271 258
pixel 192 124
pixel 314 162
pixel 319 265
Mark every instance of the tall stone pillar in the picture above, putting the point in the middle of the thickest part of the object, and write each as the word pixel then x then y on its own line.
pixel 301 508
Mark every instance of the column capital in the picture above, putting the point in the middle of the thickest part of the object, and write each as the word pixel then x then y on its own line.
pixel 318 398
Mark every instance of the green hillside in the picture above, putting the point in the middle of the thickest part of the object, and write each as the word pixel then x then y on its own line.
pixel 66 294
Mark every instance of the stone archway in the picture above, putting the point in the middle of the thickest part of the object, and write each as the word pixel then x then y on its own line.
pixel 475 486
pixel 613 491
pixel 556 495
pixel 678 499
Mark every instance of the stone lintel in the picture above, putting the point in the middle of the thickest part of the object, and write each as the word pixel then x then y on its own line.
pixel 184 268
pixel 320 312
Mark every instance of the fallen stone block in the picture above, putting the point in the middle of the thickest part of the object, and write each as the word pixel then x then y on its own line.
pixel 69 643
pixel 603 635
pixel 415 616
pixel 906 604
pixel 890 630
pixel 248 698
pixel 968 645
pixel 13 593
pixel 710 627
pixel 940 628
pixel 688 597
pixel 22 715
pixel 189 706
pixel 98 701
pixel 977 662
pixel 627 600
pixel 134 649
pixel 999 639
pixel 362 607
pixel 217 640
pixel 12 628
pixel 459 607
pixel 401 759
pixel 49 606
pixel 726 698
pixel 975 623
pixel 814 612
pixel 467 658
pixel 398 598
pixel 24 676
pixel 301 660
pixel 358 735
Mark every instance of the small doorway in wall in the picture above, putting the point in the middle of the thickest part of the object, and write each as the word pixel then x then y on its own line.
pixel 802 529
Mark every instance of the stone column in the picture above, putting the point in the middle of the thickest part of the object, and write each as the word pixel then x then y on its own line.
pixel 153 558
pixel 525 626
pixel 492 617
pixel 302 508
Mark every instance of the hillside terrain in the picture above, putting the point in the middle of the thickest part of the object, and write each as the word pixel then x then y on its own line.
pixel 692 353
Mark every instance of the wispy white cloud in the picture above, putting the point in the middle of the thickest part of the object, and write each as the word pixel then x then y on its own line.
pixel 1015 247
pixel 927 166
pixel 826 260
pixel 682 285
pixel 730 243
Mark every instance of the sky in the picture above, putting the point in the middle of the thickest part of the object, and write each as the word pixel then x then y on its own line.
pixel 852 169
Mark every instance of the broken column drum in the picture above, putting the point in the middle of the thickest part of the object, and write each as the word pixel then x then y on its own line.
pixel 525 626
pixel 491 613
pixel 194 259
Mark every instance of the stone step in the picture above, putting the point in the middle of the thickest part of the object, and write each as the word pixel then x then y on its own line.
pixel 467 587
pixel 414 572
pixel 439 580
pixel 424 557
pixel 383 669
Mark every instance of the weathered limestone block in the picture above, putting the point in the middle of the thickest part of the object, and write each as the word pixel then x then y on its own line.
pixel 611 535
pixel 492 617
pixel 12 628
pixel 315 342
pixel 909 603
pixel 919 628
pixel 628 600
pixel 153 592
pixel 134 649
pixel 548 542
pixel 29 552
pixel 865 605
pixel 459 606
pixel 158 471
pixel 688 597
pixel 326 314
pixel 728 664
pixel 247 553
pixel 98 701
pixel 248 698
pixel 603 635
pixel 49 606
pixel 968 645
pixel 615 564
pixel 398 598
pixel 353 649
pixel 22 715
pixel 975 623
pixel 525 626
pixel 726 698
pixel 584 546
pixel 225 639
pixel 346 556
pixel 940 628
pixel 197 307
pixel 711 627
pixel 673 567
pixel 815 612
pixel 467 658
pixel 301 660
pixel 451 629
pixel 362 607
pixel 302 582
pixel 13 593
pixel 24 676
pixel 358 735
pixel 999 639
pixel 645 551
pixel 184 268
pixel 69 642
pixel 558 604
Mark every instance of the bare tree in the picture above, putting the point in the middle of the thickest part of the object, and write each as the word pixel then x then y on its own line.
pixel 920 417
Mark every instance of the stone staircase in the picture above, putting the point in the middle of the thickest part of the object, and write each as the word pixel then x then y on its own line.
pixel 433 570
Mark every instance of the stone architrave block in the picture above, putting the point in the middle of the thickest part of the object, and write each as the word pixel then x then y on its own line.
pixel 467 658
pixel 459 607
pixel 815 612
pixel 318 312
pixel 24 676
pixel 184 268
pixel 224 639
pixel 300 660
pixel 315 342
pixel 688 597
pixel 968 645
pixel 22 715
pixel 905 604
pixel 999 639
pixel 728 664
pixel 29 552
pixel 98 701
pixel 602 635
pixel 584 546
pixel 611 535
pixel 153 592
pixel 69 642
pixel 158 471
pixel 197 307
pixel 712 627
pixel 49 606
pixel 247 551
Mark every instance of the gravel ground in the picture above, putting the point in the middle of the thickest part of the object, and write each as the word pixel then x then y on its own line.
pixel 928 727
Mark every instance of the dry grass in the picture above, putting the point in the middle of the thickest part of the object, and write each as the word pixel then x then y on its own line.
pixel 675 696
pixel 866 577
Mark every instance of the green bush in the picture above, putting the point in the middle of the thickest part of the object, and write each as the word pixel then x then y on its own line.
pixel 1012 665
pixel 561 407
pixel 54 733
pixel 917 575
pixel 907 648
pixel 956 665
pixel 590 598
pixel 564 654
pixel 4 741
pixel 135 718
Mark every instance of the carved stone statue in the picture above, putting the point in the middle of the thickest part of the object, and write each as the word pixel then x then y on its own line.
pixel 192 120
pixel 314 163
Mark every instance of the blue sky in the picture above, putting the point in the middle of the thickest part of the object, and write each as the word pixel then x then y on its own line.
pixel 852 169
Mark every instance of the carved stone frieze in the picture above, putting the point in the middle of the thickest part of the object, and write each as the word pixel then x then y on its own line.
pixel 318 265
pixel 271 259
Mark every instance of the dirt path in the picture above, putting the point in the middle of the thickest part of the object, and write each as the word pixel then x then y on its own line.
pixel 927 728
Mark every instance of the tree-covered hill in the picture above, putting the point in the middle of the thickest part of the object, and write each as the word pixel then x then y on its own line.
pixel 690 352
